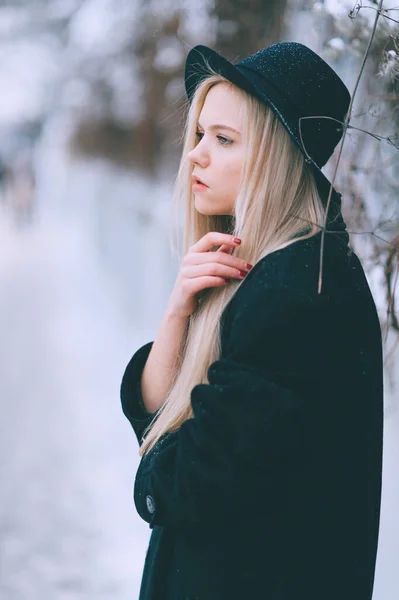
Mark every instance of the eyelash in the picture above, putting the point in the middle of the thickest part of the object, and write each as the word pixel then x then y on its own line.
pixel 225 141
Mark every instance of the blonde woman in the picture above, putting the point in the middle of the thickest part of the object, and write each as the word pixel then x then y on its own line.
pixel 259 407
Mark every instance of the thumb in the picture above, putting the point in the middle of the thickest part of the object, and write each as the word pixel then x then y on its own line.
pixel 226 248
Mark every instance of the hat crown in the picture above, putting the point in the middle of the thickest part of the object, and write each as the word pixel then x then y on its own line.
pixel 302 77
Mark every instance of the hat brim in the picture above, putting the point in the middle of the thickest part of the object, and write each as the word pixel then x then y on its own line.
pixel 196 71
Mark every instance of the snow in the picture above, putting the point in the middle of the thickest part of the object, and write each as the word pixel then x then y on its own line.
pixel 12 18
pixel 60 9
pixel 341 8
pixel 170 54
pixel 27 72
pixel 337 44
pixel 102 27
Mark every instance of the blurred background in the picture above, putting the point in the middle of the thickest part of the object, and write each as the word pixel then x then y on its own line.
pixel 90 120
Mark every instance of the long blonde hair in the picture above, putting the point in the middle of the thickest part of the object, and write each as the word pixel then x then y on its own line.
pixel 277 205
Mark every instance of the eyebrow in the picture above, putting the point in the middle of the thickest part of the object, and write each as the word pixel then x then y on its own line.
pixel 218 126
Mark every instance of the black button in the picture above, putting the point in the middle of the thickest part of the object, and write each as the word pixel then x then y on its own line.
pixel 150 504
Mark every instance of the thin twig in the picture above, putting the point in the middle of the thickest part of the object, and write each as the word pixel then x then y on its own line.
pixel 333 231
pixel 374 135
pixel 347 119
pixel 389 268
pixel 360 6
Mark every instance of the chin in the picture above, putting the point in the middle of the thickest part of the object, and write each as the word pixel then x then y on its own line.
pixel 206 213
pixel 206 208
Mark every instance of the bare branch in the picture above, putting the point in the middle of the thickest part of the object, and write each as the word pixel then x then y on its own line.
pixel 392 318
pixel 347 119
pixel 374 135
pixel 382 11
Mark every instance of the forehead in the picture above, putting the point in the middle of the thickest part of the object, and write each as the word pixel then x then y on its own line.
pixel 222 105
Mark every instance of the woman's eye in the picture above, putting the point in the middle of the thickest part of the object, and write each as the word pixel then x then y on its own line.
pixel 223 140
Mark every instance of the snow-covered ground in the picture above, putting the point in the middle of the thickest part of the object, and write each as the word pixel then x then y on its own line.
pixel 81 285
pixel 68 526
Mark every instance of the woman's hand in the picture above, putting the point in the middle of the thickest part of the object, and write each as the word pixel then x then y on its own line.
pixel 204 269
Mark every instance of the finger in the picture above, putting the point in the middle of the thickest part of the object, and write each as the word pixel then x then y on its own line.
pixel 212 239
pixel 225 248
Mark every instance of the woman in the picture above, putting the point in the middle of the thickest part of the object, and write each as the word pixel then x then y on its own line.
pixel 262 396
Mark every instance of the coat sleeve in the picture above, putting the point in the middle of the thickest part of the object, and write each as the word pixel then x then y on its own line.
pixel 251 427
pixel 130 392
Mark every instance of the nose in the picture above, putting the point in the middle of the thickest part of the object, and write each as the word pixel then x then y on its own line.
pixel 199 155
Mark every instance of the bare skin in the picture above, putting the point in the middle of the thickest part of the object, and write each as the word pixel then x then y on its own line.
pixel 204 269
pixel 218 157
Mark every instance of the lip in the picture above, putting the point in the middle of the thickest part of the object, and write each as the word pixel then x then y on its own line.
pixel 200 187
pixel 198 183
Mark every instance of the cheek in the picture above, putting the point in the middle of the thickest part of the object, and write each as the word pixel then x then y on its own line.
pixel 233 167
pixel 231 182
pixel 233 173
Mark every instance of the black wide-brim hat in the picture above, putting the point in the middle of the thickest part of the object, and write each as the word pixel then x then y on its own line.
pixel 295 83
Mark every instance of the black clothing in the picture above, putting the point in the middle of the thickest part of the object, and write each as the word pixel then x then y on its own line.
pixel 272 490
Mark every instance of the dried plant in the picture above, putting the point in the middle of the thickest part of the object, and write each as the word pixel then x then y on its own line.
pixel 380 50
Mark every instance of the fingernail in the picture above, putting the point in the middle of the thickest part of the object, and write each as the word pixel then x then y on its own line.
pixel 237 240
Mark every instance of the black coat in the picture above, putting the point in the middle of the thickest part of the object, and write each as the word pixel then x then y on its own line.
pixel 272 490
